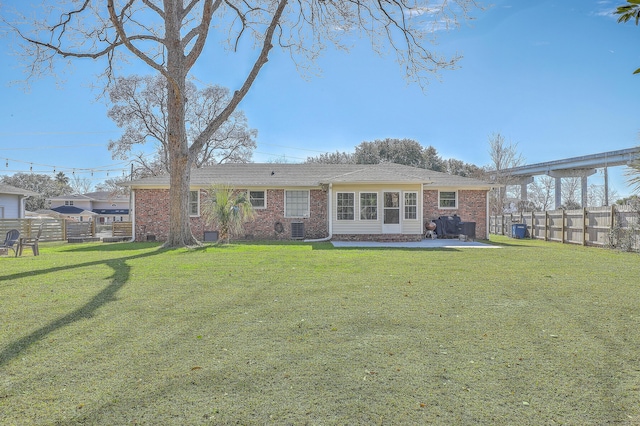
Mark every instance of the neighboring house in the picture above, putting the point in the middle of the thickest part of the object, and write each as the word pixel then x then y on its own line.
pixel 13 200
pixel 314 201
pixel 102 206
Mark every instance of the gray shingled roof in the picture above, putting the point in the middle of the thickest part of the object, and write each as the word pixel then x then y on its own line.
pixel 72 197
pixel 8 189
pixel 91 196
pixel 312 175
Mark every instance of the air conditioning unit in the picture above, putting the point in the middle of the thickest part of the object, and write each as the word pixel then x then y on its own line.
pixel 297 230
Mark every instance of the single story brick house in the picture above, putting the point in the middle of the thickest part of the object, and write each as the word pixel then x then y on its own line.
pixel 389 202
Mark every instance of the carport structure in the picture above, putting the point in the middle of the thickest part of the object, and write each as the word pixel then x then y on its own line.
pixel 581 167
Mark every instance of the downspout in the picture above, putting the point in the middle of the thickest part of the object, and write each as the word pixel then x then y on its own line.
pixel 22 204
pixel 132 215
pixel 329 221
pixel 487 218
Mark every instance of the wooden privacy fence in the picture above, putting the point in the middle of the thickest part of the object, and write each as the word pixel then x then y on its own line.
pixel 60 229
pixel 598 226
pixel 52 229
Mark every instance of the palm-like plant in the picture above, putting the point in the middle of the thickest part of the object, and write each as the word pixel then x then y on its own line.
pixel 633 174
pixel 228 210
pixel 628 12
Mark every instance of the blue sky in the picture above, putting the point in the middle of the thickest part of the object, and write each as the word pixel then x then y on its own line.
pixel 553 76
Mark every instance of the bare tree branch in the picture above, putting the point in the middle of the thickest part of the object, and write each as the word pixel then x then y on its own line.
pixel 127 41
pixel 153 7
pixel 253 74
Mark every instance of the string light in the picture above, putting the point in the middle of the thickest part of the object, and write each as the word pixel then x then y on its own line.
pixel 46 168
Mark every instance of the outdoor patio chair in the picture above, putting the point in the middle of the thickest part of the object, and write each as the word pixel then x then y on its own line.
pixel 30 242
pixel 10 242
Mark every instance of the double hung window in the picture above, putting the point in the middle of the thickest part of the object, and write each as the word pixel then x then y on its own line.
pixel 258 199
pixel 448 199
pixel 345 205
pixel 410 205
pixel 194 203
pixel 296 204
pixel 368 206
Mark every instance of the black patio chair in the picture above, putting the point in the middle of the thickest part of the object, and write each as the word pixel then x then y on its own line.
pixel 11 241
pixel 31 242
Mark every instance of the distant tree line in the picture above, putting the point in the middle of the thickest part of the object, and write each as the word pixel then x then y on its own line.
pixel 400 151
pixel 44 185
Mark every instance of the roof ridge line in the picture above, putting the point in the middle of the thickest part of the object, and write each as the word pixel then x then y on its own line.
pixel 353 171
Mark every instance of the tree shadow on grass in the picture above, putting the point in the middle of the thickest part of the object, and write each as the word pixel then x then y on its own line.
pixel 121 274
pixel 107 247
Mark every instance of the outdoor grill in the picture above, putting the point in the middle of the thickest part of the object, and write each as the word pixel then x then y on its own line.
pixel 453 227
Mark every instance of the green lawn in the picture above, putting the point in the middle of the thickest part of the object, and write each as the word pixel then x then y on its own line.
pixel 531 333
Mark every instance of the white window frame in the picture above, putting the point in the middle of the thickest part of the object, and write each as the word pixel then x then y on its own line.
pixel 455 200
pixel 287 194
pixel 353 206
pixel 68 203
pixel 197 203
pixel 377 207
pixel 264 198
pixel 405 205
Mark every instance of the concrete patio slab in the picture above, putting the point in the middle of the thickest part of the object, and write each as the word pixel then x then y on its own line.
pixel 425 244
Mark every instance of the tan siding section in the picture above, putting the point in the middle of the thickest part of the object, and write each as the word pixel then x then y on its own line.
pixel 358 226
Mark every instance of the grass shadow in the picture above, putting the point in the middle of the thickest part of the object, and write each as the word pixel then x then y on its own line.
pixel 120 276
pixel 109 247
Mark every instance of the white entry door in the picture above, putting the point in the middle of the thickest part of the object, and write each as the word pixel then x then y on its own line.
pixel 391 213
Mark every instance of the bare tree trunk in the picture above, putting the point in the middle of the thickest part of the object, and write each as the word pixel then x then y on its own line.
pixel 180 170
pixel 180 163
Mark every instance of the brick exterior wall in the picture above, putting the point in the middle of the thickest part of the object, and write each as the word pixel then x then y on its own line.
pixel 396 238
pixel 151 214
pixel 264 225
pixel 472 207
pixel 152 217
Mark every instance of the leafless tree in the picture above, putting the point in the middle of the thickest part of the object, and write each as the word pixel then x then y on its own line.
pixel 140 107
pixel 80 185
pixel 571 193
pixel 114 186
pixel 542 193
pixel 169 36
pixel 504 156
pixel 596 195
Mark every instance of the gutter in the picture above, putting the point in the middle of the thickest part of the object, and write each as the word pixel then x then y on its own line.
pixel 330 222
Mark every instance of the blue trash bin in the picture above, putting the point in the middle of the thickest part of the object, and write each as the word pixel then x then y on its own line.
pixel 518 230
